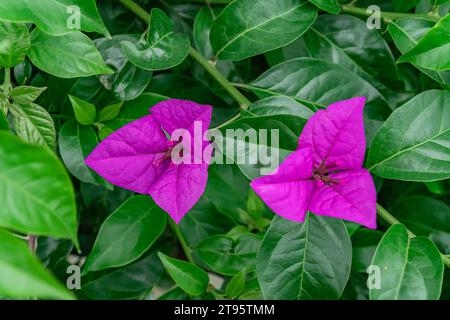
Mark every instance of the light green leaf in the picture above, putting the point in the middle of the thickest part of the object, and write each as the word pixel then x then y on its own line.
pixel 410 269
pixel 236 285
pixel 433 50
pixel 126 234
pixel 309 260
pixel 85 112
pixel 280 105
pixel 411 147
pixel 23 276
pixel 406 33
pixel 14 43
pixel 110 112
pixel 34 125
pixel 76 142
pixel 69 56
pixel 37 195
pixel 26 94
pixel 246 28
pixel 188 276
pixel 55 16
pixel 163 49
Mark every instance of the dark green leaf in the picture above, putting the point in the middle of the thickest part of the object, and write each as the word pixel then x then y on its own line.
pixel 330 6
pixel 411 147
pixel 126 234
pixel 409 268
pixel 188 276
pixel 246 28
pixel 163 49
pixel 309 260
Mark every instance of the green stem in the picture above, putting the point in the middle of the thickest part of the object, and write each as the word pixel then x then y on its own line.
pixel 186 249
pixel 387 16
pixel 389 218
pixel 209 67
pixel 136 9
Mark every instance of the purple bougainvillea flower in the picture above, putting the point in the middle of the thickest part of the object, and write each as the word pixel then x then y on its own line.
pixel 139 156
pixel 325 175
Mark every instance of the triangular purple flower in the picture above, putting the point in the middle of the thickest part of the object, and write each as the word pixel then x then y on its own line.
pixel 325 175
pixel 138 156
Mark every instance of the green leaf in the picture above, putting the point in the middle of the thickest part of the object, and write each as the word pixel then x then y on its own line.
pixel 223 255
pixel 346 40
pixel 318 83
pixel 110 112
pixel 425 216
pixel 3 122
pixel 23 72
pixel 69 56
pixel 128 81
pixel 409 268
pixel 23 276
pixel 14 43
pixel 126 234
pixel 202 29
pixel 34 125
pixel 404 5
pixel 175 294
pixel 433 50
pixel 76 142
pixel 38 196
pixel 236 285
pixel 26 94
pixel 134 281
pixel 163 49
pixel 246 28
pixel 55 16
pixel 406 33
pixel 85 112
pixel 411 147
pixel 203 221
pixel 364 243
pixel 188 276
pixel 309 260
pixel 280 105
pixel 330 6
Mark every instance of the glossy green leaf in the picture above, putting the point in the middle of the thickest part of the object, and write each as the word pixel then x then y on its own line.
pixel 425 216
pixel 346 40
pixel 26 94
pixel 411 147
pixel 76 142
pixel 22 72
pixel 69 56
pixel 433 50
pixel 246 28
pixel 55 16
pixel 330 6
pixel 406 33
pixel 318 83
pixel 128 81
pixel 126 234
pixel 34 125
pixel 163 49
pixel 109 112
pixel 309 260
pixel 23 276
pixel 410 269
pixel 236 285
pixel 188 276
pixel 14 43
pixel 85 112
pixel 37 195
pixel 225 256
pixel 134 281
pixel 280 105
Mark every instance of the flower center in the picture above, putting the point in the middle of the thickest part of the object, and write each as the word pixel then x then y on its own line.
pixel 322 174
pixel 167 155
